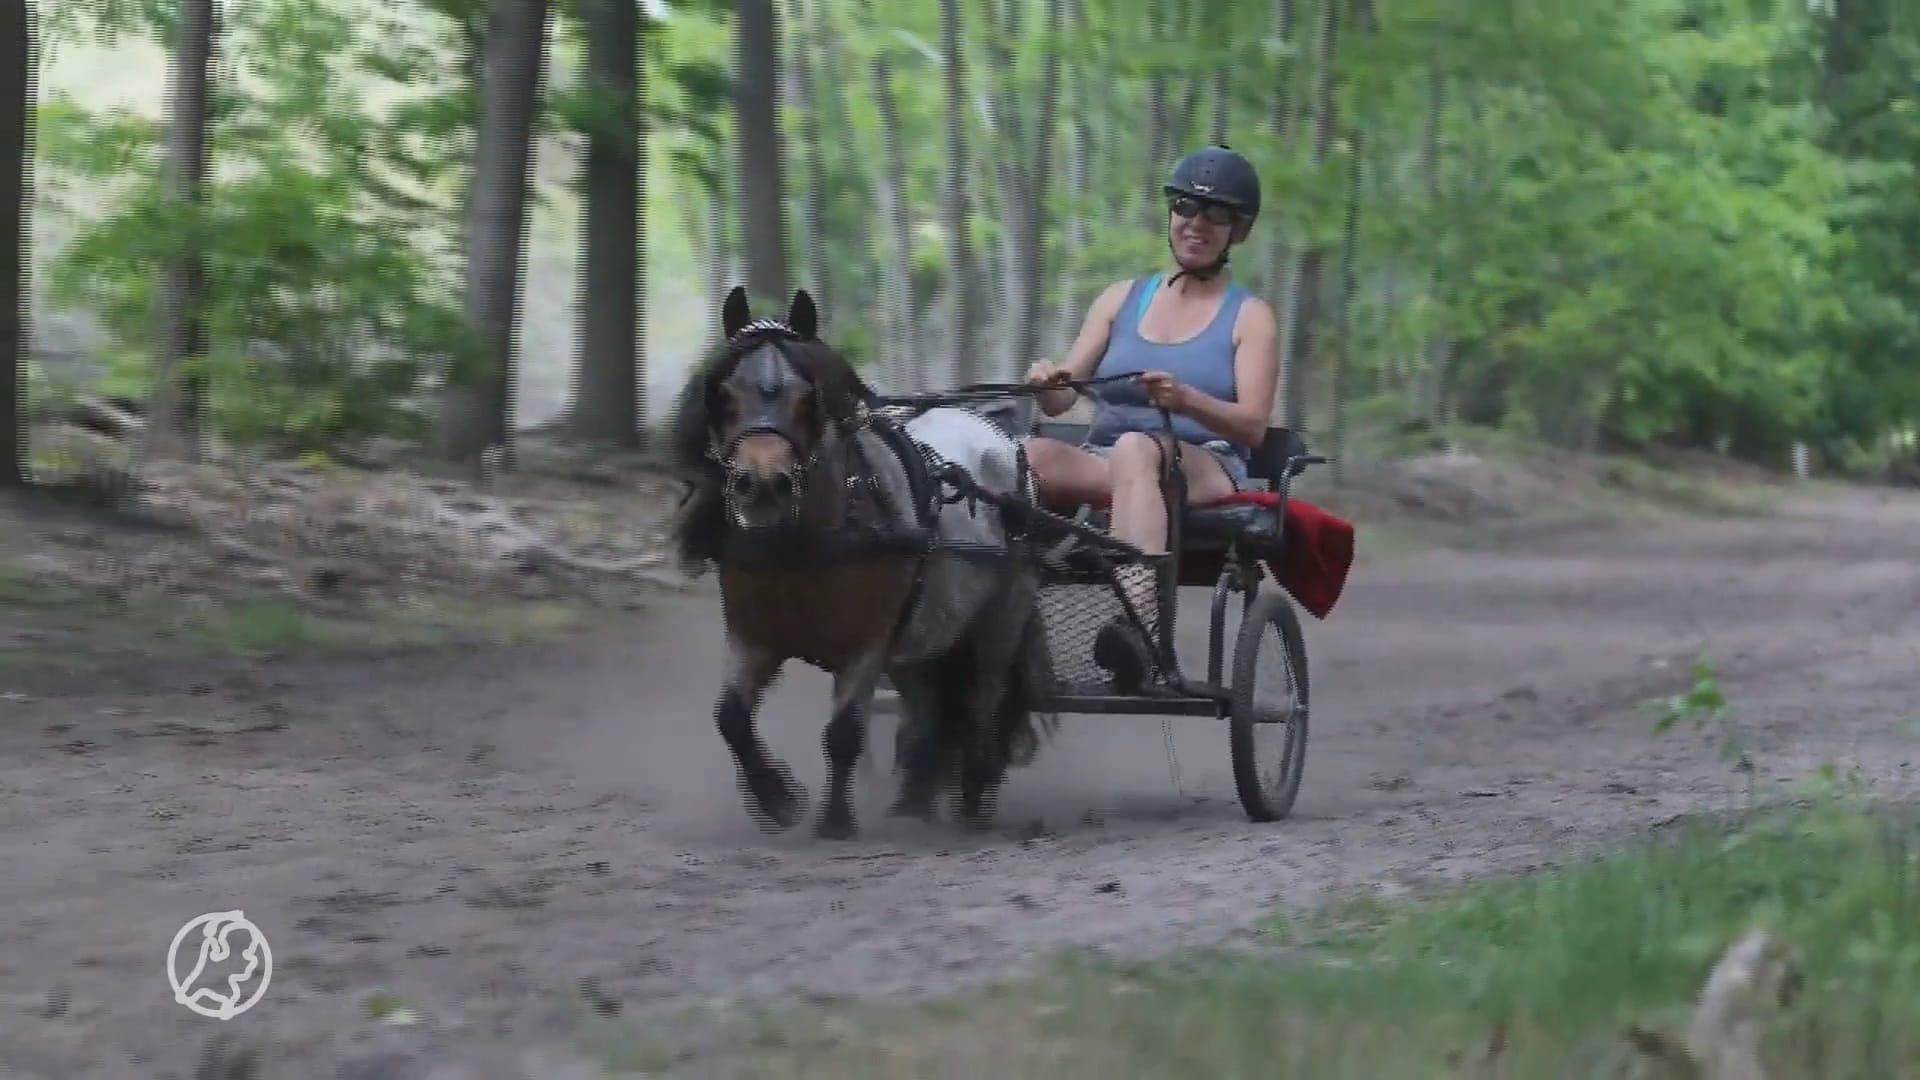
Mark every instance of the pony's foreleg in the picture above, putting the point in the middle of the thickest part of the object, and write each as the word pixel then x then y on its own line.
pixel 845 737
pixel 774 798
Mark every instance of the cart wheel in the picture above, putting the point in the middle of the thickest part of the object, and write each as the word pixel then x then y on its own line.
pixel 1267 717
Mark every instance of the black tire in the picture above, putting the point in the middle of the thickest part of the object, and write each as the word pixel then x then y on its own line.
pixel 1267 789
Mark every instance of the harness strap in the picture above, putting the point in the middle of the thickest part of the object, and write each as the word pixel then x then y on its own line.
pixel 922 488
pixel 925 492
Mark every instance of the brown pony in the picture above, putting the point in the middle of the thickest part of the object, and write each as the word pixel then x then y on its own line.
pixel 822 520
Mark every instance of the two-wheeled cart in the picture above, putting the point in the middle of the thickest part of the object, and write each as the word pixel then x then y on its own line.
pixel 1224 546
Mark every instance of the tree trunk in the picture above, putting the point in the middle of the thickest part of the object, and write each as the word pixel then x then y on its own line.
pixel 474 415
pixel 713 228
pixel 606 403
pixel 641 414
pixel 1222 107
pixel 756 80
pixel 953 202
pixel 898 304
pixel 896 265
pixel 1349 277
pixel 1312 266
pixel 1025 164
pixel 1039 190
pixel 1439 350
pixel 1159 124
pixel 1282 281
pixel 177 415
pixel 813 200
pixel 1190 31
pixel 17 63
pixel 1362 11
pixel 1068 312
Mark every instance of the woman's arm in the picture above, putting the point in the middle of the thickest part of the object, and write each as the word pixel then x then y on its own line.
pixel 1256 374
pixel 1084 356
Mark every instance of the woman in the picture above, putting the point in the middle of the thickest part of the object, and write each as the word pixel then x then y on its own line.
pixel 1204 351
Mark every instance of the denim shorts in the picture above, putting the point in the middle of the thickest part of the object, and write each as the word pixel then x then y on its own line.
pixel 1222 451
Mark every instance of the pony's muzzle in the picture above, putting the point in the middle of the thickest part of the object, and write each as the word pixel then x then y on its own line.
pixel 760 499
pixel 761 490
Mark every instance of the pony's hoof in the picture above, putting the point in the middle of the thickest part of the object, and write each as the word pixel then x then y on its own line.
pixel 977 818
pixel 974 810
pixel 918 810
pixel 777 805
pixel 776 819
pixel 836 825
pixel 918 807
pixel 975 823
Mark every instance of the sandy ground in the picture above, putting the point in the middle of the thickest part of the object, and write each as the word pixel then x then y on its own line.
pixel 522 844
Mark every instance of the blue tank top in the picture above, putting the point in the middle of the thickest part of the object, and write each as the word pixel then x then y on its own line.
pixel 1204 362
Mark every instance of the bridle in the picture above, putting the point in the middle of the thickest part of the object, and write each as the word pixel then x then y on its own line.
pixel 767 380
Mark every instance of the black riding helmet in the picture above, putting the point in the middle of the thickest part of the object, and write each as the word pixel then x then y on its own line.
pixel 1219 175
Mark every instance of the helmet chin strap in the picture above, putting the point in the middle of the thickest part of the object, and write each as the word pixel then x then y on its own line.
pixel 1206 273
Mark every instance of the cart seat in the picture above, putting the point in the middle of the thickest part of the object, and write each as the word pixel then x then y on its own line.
pixel 1256 526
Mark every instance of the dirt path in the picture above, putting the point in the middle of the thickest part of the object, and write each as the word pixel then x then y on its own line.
pixel 512 843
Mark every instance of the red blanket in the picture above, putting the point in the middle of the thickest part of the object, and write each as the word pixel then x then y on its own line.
pixel 1316 550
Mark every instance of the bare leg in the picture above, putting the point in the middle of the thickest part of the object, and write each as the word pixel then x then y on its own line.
pixel 1066 475
pixel 1140 518
pixel 1127 480
pixel 774 797
pixel 1139 507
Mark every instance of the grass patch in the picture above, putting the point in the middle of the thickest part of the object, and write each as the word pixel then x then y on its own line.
pixel 1541 973
pixel 255 627
pixel 22 591
pixel 62 624
pixel 1668 488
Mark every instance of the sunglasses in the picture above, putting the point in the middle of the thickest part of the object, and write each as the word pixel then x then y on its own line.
pixel 1187 206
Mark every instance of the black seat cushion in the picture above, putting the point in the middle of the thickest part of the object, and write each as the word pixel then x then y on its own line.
pixel 1219 525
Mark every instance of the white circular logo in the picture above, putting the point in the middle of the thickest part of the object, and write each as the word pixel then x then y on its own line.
pixel 228 997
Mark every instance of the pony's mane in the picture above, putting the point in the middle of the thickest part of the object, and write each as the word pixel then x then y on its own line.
pixel 697 529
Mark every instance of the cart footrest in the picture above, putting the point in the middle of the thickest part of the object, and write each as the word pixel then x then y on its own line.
pixel 1110 704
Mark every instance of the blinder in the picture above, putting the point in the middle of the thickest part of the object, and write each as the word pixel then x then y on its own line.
pixel 766 382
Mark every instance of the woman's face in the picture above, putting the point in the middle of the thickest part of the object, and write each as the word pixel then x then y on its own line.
pixel 1200 230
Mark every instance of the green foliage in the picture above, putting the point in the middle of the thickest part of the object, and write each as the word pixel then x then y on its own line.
pixel 325 320
pixel 1691 221
pixel 1704 707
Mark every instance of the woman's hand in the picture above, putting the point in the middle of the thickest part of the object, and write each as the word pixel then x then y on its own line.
pixel 1057 398
pixel 1165 391
pixel 1047 373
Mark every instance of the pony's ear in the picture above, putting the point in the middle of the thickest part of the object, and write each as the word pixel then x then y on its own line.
pixel 803 316
pixel 734 314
